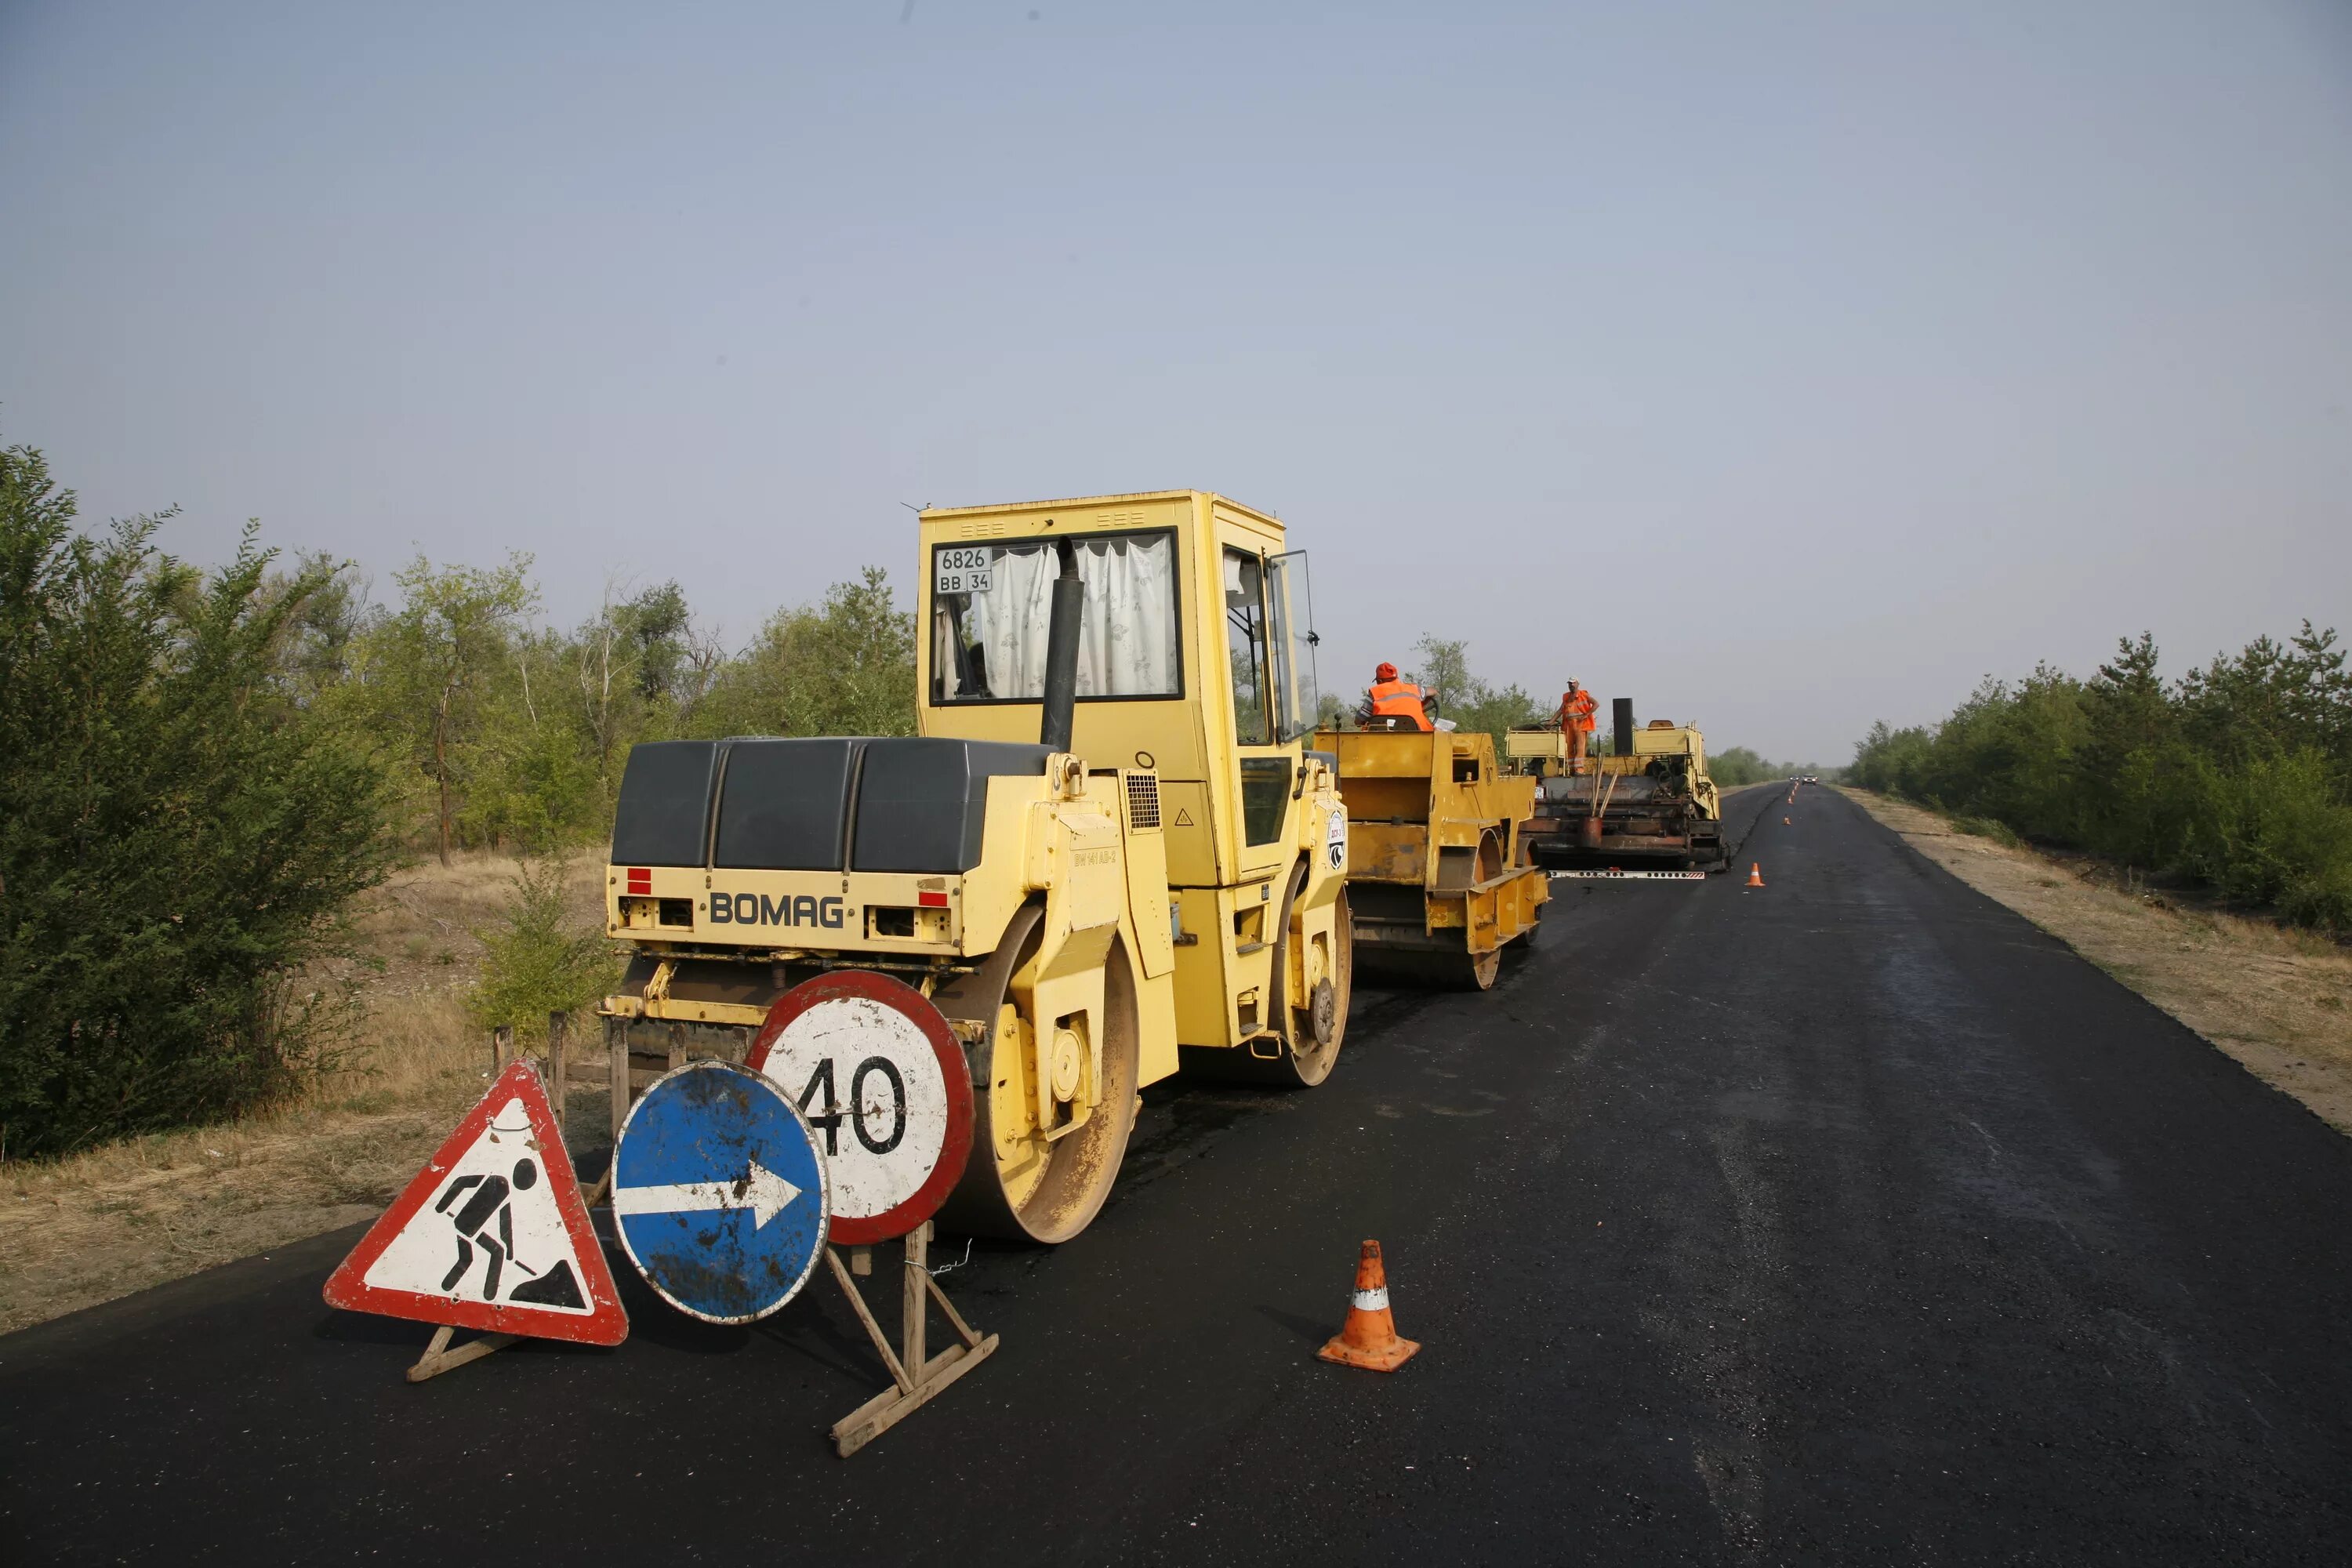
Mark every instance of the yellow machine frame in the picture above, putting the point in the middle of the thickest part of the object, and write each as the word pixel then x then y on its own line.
pixel 1169 888
pixel 1433 852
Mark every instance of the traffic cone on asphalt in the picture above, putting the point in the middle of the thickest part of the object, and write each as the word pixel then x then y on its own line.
pixel 1369 1339
pixel 1755 873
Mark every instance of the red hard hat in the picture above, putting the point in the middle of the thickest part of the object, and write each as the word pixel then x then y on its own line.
pixel 1385 672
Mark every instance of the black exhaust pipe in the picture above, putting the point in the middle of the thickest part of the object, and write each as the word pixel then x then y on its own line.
pixel 1062 652
pixel 1621 708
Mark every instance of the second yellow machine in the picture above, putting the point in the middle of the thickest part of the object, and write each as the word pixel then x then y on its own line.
pixel 1109 852
pixel 1439 883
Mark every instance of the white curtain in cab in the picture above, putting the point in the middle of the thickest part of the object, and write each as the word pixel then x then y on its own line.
pixel 1127 637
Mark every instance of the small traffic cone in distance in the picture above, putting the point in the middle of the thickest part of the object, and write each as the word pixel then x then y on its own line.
pixel 1755 873
pixel 1369 1339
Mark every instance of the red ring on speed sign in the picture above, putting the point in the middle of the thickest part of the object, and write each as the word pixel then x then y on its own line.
pixel 878 1075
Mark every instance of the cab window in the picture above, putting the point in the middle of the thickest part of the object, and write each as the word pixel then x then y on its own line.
pixel 1246 652
pixel 1291 639
pixel 1258 699
pixel 990 605
pixel 1266 798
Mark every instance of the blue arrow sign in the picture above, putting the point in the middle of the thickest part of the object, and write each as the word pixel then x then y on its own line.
pixel 718 1193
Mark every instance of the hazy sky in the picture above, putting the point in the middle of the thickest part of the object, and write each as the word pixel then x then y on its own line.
pixel 1782 366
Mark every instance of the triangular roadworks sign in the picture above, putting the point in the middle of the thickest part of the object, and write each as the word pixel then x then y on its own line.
pixel 492 1234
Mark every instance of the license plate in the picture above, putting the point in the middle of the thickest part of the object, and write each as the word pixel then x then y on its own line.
pixel 962 572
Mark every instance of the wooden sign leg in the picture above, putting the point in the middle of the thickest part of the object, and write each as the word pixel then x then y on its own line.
pixel 617 1066
pixel 439 1358
pixel 915 1378
pixel 559 1066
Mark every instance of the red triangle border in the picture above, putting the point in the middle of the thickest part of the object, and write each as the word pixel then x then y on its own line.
pixel 606 1324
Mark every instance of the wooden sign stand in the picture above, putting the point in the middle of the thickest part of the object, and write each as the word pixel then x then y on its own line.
pixel 439 1358
pixel 916 1378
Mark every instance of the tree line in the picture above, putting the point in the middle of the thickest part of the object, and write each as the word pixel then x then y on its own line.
pixel 2235 777
pixel 496 732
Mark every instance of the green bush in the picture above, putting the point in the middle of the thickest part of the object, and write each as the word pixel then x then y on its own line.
pixel 845 667
pixel 1990 827
pixel 539 959
pixel 2237 777
pixel 176 841
pixel 1736 765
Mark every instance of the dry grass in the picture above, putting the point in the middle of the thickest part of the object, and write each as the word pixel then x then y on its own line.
pixel 2278 1000
pixel 116 1219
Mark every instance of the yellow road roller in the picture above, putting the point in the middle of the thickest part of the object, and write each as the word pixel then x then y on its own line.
pixel 1437 884
pixel 1108 853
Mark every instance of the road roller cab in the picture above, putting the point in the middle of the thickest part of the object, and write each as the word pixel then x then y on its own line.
pixel 1195 674
pixel 1159 880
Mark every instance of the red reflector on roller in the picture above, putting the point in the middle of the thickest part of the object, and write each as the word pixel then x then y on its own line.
pixel 640 881
pixel 932 900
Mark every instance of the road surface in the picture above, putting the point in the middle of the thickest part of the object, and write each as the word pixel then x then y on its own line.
pixel 1848 1220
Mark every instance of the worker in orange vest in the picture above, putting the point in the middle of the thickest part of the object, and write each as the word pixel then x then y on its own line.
pixel 1393 698
pixel 1576 707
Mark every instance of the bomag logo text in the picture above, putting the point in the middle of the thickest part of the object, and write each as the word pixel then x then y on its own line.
pixel 759 909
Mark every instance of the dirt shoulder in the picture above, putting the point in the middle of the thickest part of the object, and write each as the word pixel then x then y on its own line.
pixel 2279 1001
pixel 96 1226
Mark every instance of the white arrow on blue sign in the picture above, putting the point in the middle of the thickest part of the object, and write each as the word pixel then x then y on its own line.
pixel 718 1193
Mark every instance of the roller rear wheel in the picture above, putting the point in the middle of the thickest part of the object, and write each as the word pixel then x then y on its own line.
pixel 1019 1185
pixel 1305 1054
pixel 1312 1036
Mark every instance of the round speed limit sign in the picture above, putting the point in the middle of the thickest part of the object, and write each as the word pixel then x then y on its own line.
pixel 883 1084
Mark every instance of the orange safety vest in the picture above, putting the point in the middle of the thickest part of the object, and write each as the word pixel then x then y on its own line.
pixel 1400 697
pixel 1577 710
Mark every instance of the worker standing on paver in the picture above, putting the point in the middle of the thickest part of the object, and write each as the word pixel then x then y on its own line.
pixel 1576 708
pixel 1402 703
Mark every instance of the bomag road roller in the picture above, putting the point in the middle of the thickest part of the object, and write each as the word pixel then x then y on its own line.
pixel 1437 884
pixel 1650 800
pixel 1107 854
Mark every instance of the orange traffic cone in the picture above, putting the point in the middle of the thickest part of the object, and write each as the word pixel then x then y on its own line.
pixel 1755 874
pixel 1369 1339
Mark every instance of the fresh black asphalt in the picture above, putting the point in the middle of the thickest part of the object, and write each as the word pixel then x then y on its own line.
pixel 1850 1220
